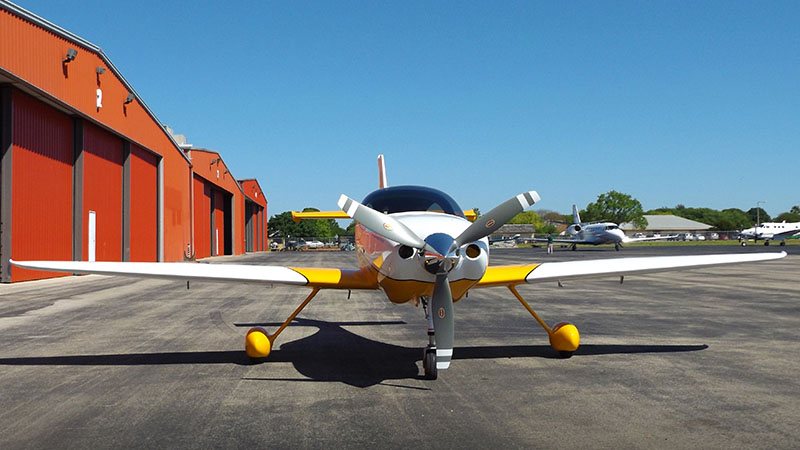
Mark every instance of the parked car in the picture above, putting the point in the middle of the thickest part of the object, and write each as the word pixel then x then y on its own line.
pixel 312 244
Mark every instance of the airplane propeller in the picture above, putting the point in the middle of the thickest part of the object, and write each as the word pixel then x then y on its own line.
pixel 380 223
pixel 444 247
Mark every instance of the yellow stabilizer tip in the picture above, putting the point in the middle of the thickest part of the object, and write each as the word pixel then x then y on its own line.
pixel 257 343
pixel 565 337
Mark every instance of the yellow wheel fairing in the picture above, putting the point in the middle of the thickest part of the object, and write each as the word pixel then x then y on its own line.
pixel 565 337
pixel 257 343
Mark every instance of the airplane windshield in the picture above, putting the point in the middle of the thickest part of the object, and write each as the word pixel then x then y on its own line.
pixel 412 198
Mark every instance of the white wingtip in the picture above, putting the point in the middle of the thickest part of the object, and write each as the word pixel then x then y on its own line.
pixel 535 196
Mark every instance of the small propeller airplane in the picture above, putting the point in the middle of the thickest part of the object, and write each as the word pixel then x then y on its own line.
pixel 597 233
pixel 770 231
pixel 416 245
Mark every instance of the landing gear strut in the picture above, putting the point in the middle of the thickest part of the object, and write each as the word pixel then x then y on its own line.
pixel 258 343
pixel 429 356
pixel 564 336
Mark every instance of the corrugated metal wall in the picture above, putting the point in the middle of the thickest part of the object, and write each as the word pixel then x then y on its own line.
pixel 42 159
pixel 33 55
pixel 102 192
pixel 144 205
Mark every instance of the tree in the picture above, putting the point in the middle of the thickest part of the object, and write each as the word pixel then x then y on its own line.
pixel 553 217
pixel 615 207
pixel 350 230
pixel 758 214
pixel 532 218
pixel 732 219
pixel 788 216
pixel 312 228
pixel 284 224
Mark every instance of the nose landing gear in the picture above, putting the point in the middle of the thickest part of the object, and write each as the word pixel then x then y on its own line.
pixel 429 356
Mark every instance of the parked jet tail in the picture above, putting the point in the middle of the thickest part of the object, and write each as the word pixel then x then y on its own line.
pixel 576 218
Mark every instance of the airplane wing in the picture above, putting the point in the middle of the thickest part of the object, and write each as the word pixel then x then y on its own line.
pixel 555 271
pixel 562 241
pixel 629 240
pixel 324 278
pixel 785 234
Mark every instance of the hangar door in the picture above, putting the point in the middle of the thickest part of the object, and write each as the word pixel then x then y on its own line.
pixel 212 220
pixel 41 193
pixel 144 205
pixel 102 192
pixel 249 226
pixel 202 218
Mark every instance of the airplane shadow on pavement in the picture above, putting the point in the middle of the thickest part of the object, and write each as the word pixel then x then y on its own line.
pixel 334 354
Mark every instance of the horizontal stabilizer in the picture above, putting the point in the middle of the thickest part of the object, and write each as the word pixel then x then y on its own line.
pixel 307 215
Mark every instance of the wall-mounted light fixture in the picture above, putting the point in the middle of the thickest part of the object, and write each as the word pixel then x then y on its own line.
pixel 129 98
pixel 71 54
pixel 100 70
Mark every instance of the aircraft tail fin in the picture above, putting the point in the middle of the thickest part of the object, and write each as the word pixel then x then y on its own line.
pixel 576 218
pixel 382 183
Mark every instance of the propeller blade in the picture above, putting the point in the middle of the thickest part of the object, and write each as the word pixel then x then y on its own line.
pixel 490 222
pixel 380 223
pixel 442 310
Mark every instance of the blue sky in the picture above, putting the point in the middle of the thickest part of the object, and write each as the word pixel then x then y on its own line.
pixel 696 103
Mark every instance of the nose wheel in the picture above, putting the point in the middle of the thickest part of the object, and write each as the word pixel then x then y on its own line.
pixel 429 363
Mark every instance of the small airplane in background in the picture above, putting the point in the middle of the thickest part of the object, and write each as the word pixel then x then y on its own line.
pixel 597 233
pixel 770 231
pixel 416 245
pixel 504 241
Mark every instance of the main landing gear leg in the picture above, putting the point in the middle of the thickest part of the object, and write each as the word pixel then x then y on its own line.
pixel 258 343
pixel 564 336
pixel 429 356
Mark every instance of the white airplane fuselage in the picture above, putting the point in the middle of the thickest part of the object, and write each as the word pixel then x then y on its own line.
pixel 597 233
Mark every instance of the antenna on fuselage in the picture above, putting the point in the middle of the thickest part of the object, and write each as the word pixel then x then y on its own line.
pixel 382 183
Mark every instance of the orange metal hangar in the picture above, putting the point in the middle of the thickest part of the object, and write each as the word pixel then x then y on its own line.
pixel 87 170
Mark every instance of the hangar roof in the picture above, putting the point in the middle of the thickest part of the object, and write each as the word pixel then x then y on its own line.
pixel 668 222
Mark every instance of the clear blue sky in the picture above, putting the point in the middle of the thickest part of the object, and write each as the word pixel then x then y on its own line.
pixel 696 103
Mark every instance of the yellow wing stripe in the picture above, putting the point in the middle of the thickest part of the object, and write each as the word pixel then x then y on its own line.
pixel 338 278
pixel 506 275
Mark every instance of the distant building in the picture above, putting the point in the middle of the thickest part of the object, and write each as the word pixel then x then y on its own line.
pixel 668 224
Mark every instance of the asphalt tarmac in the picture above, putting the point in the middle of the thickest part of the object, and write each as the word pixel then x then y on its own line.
pixel 704 358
